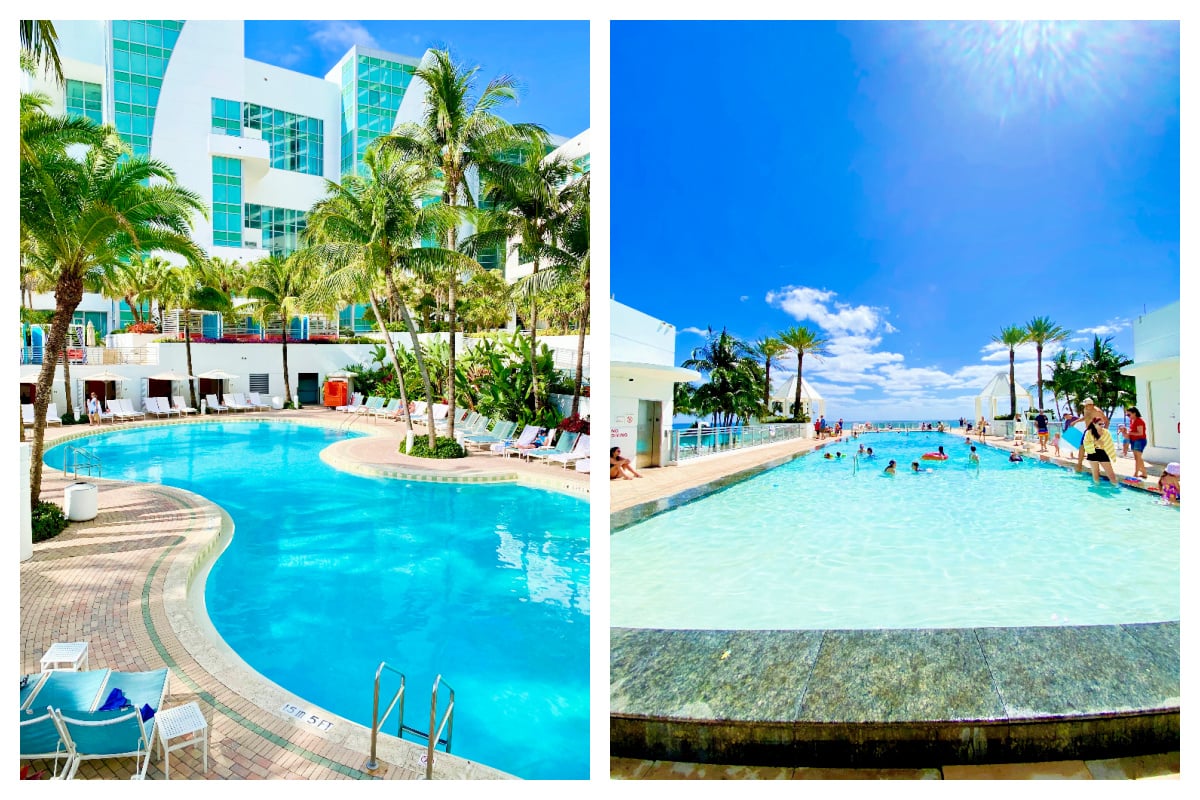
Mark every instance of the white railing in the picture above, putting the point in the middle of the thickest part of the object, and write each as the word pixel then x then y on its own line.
pixel 96 355
pixel 697 442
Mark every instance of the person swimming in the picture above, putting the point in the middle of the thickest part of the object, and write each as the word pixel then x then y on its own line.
pixel 1014 456
pixel 839 453
pixel 890 469
pixel 870 453
pixel 829 456
pixel 974 455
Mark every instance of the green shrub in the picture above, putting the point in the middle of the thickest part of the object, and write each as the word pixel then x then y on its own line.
pixel 48 521
pixel 446 448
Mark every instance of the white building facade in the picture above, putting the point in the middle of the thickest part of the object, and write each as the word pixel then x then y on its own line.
pixel 1156 369
pixel 643 375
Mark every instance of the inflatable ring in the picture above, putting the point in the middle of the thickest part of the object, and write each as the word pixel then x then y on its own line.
pixel 934 457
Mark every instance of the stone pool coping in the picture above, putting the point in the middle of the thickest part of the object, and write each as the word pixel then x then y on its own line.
pixel 884 698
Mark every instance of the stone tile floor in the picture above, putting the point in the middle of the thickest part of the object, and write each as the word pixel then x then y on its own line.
pixel 120 582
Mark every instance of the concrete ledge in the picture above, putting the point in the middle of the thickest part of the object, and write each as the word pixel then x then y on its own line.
pixel 895 698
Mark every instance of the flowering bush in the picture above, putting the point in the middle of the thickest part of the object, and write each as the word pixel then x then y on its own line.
pixel 575 424
pixel 142 327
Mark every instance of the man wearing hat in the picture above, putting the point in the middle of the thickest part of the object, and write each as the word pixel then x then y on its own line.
pixel 1090 413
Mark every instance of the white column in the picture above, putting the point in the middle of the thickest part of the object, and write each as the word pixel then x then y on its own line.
pixel 23 491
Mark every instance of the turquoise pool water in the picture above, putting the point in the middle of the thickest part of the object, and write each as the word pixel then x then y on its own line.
pixel 813 545
pixel 329 573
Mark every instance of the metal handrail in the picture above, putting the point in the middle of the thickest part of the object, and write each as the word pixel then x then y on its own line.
pixel 88 458
pixel 695 442
pixel 447 719
pixel 376 722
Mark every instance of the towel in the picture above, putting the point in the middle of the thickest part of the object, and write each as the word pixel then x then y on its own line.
pixel 147 712
pixel 116 700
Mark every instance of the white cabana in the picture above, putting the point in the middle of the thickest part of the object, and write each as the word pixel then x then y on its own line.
pixel 995 399
pixel 811 401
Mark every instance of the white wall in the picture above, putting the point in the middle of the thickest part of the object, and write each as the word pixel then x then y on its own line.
pixel 1156 372
pixel 640 337
pixel 627 389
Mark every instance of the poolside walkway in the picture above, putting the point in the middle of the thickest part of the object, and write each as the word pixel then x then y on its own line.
pixel 126 583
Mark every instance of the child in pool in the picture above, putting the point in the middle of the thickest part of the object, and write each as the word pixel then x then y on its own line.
pixel 1168 484
pixel 974 455
pixel 1014 456
pixel 870 453
pixel 890 469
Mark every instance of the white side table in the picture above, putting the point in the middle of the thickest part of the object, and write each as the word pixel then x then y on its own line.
pixel 66 656
pixel 175 723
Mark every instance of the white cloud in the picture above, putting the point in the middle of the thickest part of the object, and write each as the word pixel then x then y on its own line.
pixel 697 331
pixel 744 298
pixel 341 36
pixel 1107 329
pixel 819 306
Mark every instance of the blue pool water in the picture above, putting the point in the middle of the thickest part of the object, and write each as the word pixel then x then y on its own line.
pixel 329 573
pixel 814 545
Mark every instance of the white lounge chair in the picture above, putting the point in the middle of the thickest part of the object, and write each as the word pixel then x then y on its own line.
pixel 523 442
pixel 565 444
pixel 255 400
pixel 52 417
pixel 356 400
pixel 155 406
pixel 581 450
pixel 182 407
pixel 27 413
pixel 236 402
pixel 214 405
pixel 124 409
pixel 391 408
pixel 106 412
pixel 584 465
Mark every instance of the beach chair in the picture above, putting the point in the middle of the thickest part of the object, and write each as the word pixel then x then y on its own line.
pixel 27 414
pixel 182 407
pixel 420 411
pixel 105 734
pixel 156 406
pixel 124 409
pixel 523 442
pixel 372 404
pixel 106 412
pixel 565 444
pixel 255 399
pixel 52 417
pixel 581 450
pixel 355 401
pixel 214 404
pixel 502 430
pixel 390 409
pixel 235 402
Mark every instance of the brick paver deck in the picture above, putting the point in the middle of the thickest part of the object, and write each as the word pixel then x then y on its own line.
pixel 129 582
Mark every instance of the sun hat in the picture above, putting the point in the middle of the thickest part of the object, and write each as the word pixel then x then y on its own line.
pixel 1173 468
pixel 1087 401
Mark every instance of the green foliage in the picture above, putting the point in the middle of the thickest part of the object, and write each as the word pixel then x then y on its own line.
pixel 504 383
pixel 446 448
pixel 734 379
pixel 48 521
pixel 1097 374
pixel 36 316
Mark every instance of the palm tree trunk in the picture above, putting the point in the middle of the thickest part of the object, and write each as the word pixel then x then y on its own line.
pixel 68 293
pixel 133 309
pixel 187 346
pixel 1012 384
pixel 69 407
pixel 391 348
pixel 767 388
pixel 421 368
pixel 583 323
pixel 533 340
pixel 1039 352
pixel 452 236
pixel 287 383
pixel 799 385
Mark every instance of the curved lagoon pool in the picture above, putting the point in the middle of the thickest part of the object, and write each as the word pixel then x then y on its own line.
pixel 815 544
pixel 328 574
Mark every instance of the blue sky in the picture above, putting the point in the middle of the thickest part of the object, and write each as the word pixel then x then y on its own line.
pixel 907 189
pixel 549 59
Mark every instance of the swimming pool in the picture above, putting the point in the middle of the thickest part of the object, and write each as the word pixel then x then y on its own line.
pixel 815 544
pixel 329 573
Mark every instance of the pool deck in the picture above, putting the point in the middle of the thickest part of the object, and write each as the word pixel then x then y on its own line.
pixel 1091 702
pixel 129 582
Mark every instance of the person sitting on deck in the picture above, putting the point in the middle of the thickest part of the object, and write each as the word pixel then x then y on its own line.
pixel 620 467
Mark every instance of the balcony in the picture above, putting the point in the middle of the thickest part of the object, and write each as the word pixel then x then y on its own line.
pixel 249 148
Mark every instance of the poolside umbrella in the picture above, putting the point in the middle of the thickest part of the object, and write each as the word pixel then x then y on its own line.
pixel 30 377
pixel 217 375
pixel 105 376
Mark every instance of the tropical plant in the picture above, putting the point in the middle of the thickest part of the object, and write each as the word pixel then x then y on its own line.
pixel 276 288
pixel 456 130
pixel 733 379
pixel 1064 381
pixel 485 301
pixel 80 216
pixel 362 233
pixel 768 349
pixel 1041 331
pixel 1010 337
pixel 1100 371
pixel 506 389
pixel 39 42
pixel 190 288
pixel 802 341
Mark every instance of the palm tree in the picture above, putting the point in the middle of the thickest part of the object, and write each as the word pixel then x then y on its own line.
pixel 364 231
pixel 455 132
pixel 1041 331
pixel 769 349
pixel 276 289
pixel 803 341
pixel 191 288
pixel 1064 381
pixel 1101 372
pixel 39 41
pixel 1010 337
pixel 733 378
pixel 80 216
pixel 528 202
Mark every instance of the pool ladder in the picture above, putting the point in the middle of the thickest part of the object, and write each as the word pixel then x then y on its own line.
pixel 354 416
pixel 80 458
pixel 446 724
